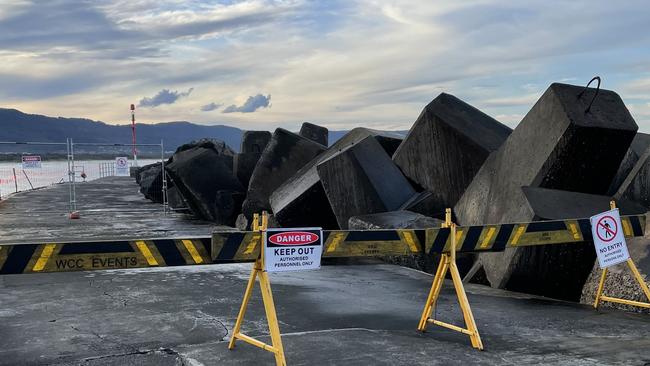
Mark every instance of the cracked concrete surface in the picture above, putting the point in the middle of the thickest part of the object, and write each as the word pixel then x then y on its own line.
pixel 352 315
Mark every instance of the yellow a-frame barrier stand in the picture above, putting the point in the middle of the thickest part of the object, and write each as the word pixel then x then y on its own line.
pixel 599 293
pixel 267 298
pixel 448 263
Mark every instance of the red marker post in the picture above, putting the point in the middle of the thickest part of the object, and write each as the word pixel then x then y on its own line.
pixel 135 152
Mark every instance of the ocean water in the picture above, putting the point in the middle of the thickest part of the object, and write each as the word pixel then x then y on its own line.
pixel 53 172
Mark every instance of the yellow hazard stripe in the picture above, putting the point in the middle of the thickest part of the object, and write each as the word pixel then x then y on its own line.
pixel 459 235
pixel 45 256
pixel 251 247
pixel 574 230
pixel 410 240
pixel 144 249
pixel 334 240
pixel 488 236
pixel 192 250
pixel 518 233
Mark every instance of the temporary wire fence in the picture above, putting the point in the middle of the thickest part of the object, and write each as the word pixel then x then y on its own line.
pixel 54 164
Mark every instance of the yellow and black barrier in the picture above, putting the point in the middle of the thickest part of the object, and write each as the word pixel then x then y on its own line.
pixel 98 255
pixel 238 246
pixel 242 246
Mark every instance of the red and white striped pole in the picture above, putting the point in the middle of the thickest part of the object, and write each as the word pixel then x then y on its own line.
pixel 135 151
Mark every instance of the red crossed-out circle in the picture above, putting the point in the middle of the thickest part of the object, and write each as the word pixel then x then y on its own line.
pixel 601 225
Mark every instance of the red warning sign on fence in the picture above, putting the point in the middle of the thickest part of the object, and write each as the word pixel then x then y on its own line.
pixel 31 162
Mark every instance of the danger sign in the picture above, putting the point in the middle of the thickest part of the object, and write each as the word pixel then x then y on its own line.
pixel 292 249
pixel 609 240
pixel 31 162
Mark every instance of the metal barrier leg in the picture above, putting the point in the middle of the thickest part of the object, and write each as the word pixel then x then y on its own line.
pixel 637 276
pixel 269 306
pixel 601 285
pixel 635 271
pixel 244 305
pixel 639 279
pixel 448 262
pixel 474 336
pixel 438 279
pixel 271 317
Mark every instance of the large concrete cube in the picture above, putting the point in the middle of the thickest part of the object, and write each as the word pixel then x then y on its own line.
pixel 149 177
pixel 558 145
pixel 284 155
pixel 362 179
pixel 446 146
pixel 636 186
pixel 639 145
pixel 393 220
pixel 301 200
pixel 254 141
pixel 315 133
pixel 426 203
pixel 203 175
pixel 252 145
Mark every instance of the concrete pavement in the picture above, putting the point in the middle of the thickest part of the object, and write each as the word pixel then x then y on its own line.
pixel 111 208
pixel 348 314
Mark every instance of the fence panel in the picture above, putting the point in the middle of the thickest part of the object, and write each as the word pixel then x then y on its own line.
pixel 112 182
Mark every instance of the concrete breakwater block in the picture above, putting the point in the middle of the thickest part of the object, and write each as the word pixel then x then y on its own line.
pixel 565 266
pixel 175 199
pixel 254 141
pixel 315 133
pixel 558 145
pixel 301 200
pixel 225 153
pixel 203 175
pixel 362 179
pixel 639 145
pixel 252 145
pixel 426 203
pixel 284 155
pixel 149 177
pixel 636 186
pixel 553 204
pixel 446 146
pixel 393 220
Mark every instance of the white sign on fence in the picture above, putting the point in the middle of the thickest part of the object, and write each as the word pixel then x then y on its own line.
pixel 292 249
pixel 609 240
pixel 31 162
pixel 122 167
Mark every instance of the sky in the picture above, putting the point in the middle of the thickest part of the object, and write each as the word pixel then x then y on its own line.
pixel 262 64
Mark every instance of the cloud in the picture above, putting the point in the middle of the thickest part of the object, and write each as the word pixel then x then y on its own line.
pixel 164 96
pixel 342 63
pixel 210 107
pixel 252 104
pixel 137 28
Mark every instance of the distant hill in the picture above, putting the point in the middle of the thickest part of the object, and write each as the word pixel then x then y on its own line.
pixel 16 126
pixel 22 127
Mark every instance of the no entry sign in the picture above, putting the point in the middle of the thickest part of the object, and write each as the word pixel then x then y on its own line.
pixel 609 240
pixel 122 167
pixel 297 249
